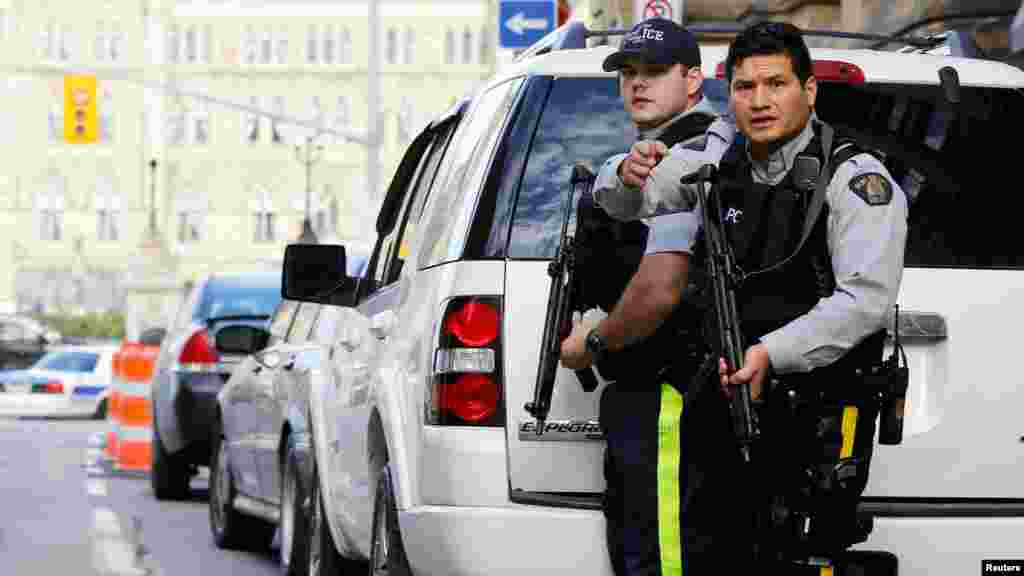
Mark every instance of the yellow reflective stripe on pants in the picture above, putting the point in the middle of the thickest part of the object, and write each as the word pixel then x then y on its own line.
pixel 669 421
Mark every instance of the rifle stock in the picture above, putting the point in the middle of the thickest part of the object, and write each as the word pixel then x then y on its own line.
pixel 722 271
pixel 558 318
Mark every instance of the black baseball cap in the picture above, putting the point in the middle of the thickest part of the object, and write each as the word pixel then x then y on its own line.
pixel 657 41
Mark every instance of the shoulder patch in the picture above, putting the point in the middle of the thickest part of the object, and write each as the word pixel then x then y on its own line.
pixel 872 188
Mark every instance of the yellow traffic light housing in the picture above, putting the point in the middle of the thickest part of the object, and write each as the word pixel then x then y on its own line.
pixel 81 121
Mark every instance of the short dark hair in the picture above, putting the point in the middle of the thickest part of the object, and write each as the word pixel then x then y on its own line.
pixel 767 38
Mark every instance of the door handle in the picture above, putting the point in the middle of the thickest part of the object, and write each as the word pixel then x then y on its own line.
pixel 382 323
pixel 289 365
pixel 257 369
pixel 350 338
pixel 921 327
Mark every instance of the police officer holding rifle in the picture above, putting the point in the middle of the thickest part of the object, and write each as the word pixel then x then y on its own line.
pixel 814 227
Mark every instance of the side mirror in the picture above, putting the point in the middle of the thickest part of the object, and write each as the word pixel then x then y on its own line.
pixel 317 273
pixel 152 336
pixel 241 339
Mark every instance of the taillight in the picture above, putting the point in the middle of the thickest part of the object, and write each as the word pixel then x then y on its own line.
pixel 823 70
pixel 466 382
pixel 198 354
pixel 51 387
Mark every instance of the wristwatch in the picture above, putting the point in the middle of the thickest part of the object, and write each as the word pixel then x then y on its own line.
pixel 596 345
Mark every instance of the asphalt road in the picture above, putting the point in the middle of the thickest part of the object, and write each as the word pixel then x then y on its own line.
pixel 66 512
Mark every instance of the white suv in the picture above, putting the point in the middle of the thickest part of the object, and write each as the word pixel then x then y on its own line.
pixel 418 408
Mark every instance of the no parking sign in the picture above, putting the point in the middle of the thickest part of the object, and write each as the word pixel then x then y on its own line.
pixel 668 9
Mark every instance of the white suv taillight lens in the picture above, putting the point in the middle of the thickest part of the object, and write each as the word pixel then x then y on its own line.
pixel 466 383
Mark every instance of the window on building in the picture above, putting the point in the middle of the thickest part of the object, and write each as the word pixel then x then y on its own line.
pixel 200 123
pixel 173 43
pixel 312 40
pixel 252 121
pixel 330 41
pixel 345 46
pixel 207 43
pixel 55 120
pixel 324 217
pixel 100 45
pixel 108 209
pixel 410 45
pixel 191 216
pixel 114 45
pixel 191 44
pixel 267 45
pixel 449 46
pixel 66 41
pixel 467 46
pixel 50 208
pixel 105 110
pixel 275 126
pixel 316 115
pixel 264 217
pixel 176 126
pixel 342 116
pixel 391 46
pixel 485 46
pixel 282 45
pixel 3 24
pixel 251 44
pixel 48 40
pixel 407 127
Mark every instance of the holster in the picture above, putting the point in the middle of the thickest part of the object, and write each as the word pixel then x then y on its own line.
pixel 814 456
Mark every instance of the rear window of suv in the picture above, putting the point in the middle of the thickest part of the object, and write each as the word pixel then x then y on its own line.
pixel 956 163
pixel 583 121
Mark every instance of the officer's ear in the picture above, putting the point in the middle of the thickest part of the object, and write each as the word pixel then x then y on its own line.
pixel 811 91
pixel 694 80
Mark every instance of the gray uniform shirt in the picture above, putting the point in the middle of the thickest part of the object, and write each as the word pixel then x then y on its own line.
pixel 866 239
pixel 669 232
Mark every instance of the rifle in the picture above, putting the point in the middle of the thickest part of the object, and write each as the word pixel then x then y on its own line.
pixel 724 276
pixel 561 305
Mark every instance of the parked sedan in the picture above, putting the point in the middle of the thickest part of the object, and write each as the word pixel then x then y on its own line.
pixel 190 370
pixel 259 473
pixel 23 341
pixel 67 381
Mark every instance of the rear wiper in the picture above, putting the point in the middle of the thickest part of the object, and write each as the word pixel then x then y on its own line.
pixel 901 34
pixel 230 317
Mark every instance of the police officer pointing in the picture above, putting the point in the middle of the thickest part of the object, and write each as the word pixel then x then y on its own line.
pixel 817 291
pixel 636 345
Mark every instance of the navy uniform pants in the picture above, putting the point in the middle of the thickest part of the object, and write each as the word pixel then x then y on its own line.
pixel 674 500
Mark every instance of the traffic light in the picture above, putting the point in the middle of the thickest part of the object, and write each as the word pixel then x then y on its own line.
pixel 564 11
pixel 81 123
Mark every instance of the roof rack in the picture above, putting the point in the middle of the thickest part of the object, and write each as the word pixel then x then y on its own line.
pixel 574 35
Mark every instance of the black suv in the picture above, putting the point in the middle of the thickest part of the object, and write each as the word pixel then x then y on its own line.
pixel 190 371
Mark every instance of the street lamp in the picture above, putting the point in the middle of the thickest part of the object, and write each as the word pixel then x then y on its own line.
pixel 152 198
pixel 308 155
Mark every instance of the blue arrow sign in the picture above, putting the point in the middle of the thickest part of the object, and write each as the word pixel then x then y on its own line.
pixel 523 22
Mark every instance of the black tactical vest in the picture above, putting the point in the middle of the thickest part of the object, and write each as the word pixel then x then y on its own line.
pixel 608 253
pixel 764 224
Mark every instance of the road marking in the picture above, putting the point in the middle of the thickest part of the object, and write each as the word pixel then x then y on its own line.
pixel 95 470
pixel 96 487
pixel 104 522
pixel 113 553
